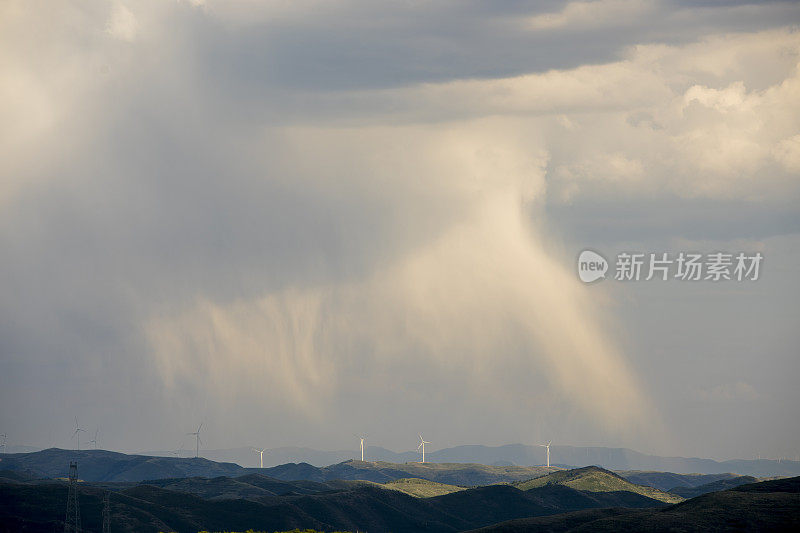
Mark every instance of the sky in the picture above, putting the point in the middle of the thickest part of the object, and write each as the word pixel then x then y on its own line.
pixel 299 221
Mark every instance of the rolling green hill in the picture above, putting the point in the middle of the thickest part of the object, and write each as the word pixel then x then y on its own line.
pixel 462 474
pixel 249 486
pixel 596 479
pixel 421 488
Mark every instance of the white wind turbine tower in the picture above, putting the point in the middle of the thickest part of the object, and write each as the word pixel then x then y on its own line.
pixel 76 434
pixel 548 451
pixel 422 443
pixel 362 447
pixel 261 451
pixel 197 443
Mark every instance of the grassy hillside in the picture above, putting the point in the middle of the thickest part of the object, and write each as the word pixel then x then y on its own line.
pixel 596 479
pixel 421 488
pixel 462 474
pixel 249 486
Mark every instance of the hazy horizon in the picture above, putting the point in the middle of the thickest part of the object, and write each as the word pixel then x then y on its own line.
pixel 219 454
pixel 296 222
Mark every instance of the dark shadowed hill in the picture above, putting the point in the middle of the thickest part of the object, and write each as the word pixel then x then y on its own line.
pixel 765 506
pixel 40 507
pixel 669 480
pixel 789 485
pixel 722 484
pixel 557 523
pixel 20 476
pixel 103 465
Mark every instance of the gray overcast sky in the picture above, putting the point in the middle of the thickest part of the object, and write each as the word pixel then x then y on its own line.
pixel 295 221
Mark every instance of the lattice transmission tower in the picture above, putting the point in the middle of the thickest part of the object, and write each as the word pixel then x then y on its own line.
pixel 72 523
pixel 106 513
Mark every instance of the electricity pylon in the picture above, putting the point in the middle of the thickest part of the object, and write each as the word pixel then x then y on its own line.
pixel 72 523
pixel 106 513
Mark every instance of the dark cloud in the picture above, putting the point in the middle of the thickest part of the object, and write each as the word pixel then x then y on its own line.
pixel 204 166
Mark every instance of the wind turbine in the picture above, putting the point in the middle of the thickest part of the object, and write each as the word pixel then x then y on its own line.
pixel 3 445
pixel 197 444
pixel 261 451
pixel 94 440
pixel 76 434
pixel 422 443
pixel 177 453
pixel 362 447
pixel 548 452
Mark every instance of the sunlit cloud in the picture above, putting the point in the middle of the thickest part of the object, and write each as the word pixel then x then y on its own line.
pixel 301 209
pixel 482 296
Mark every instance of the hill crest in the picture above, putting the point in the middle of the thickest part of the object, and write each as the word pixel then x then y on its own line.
pixel 597 479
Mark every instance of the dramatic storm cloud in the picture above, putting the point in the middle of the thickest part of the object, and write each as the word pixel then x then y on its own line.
pixel 296 221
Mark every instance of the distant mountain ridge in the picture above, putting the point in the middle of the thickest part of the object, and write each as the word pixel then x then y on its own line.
pixel 612 459
pixel 515 454
pixel 103 465
pixel 246 457
pixel 106 466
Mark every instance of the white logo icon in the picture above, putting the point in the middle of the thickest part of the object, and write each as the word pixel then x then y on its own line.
pixel 591 266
